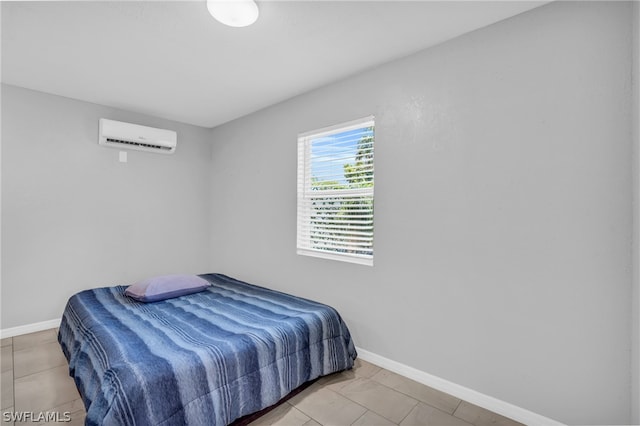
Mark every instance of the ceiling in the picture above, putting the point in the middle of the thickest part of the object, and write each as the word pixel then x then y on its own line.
pixel 171 59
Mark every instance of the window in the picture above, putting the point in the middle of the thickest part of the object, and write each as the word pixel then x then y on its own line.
pixel 335 192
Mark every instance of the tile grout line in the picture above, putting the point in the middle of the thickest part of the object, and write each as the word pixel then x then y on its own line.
pixel 350 400
pixel 363 414
pixel 454 411
pixel 419 401
pixel 424 402
pixel 460 401
pixel 32 347
pixel 407 395
pixel 421 384
pixel 36 372
pixel 396 390
pixel 13 370
pixel 369 378
pixel 410 411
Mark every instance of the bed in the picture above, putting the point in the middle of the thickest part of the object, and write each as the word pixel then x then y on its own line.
pixel 207 358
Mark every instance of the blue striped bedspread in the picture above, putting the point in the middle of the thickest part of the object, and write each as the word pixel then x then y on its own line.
pixel 203 359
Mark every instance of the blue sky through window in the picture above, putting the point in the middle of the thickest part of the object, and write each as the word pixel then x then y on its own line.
pixel 330 153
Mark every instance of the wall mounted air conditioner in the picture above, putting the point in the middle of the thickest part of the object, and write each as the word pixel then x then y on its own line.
pixel 117 134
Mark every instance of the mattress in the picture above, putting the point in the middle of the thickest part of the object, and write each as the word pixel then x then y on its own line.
pixel 203 359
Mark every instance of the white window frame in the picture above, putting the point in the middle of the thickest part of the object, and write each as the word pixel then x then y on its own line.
pixel 306 194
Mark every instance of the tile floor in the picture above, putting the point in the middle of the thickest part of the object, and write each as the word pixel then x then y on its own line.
pixel 35 379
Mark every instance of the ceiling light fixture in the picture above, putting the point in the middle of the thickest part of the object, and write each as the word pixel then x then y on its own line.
pixel 235 13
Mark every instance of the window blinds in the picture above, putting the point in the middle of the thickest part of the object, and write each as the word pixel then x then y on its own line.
pixel 335 192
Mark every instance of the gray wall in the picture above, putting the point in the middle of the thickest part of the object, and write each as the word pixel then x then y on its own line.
pixel 73 217
pixel 503 209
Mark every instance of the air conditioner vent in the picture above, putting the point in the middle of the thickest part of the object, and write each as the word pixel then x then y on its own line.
pixel 138 144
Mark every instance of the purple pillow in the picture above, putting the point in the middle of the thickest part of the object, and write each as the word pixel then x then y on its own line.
pixel 166 287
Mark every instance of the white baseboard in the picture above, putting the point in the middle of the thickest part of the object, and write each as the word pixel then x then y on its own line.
pixel 485 401
pixel 29 328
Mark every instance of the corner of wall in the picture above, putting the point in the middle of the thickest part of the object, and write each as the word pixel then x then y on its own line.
pixel 1 85
pixel 635 284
